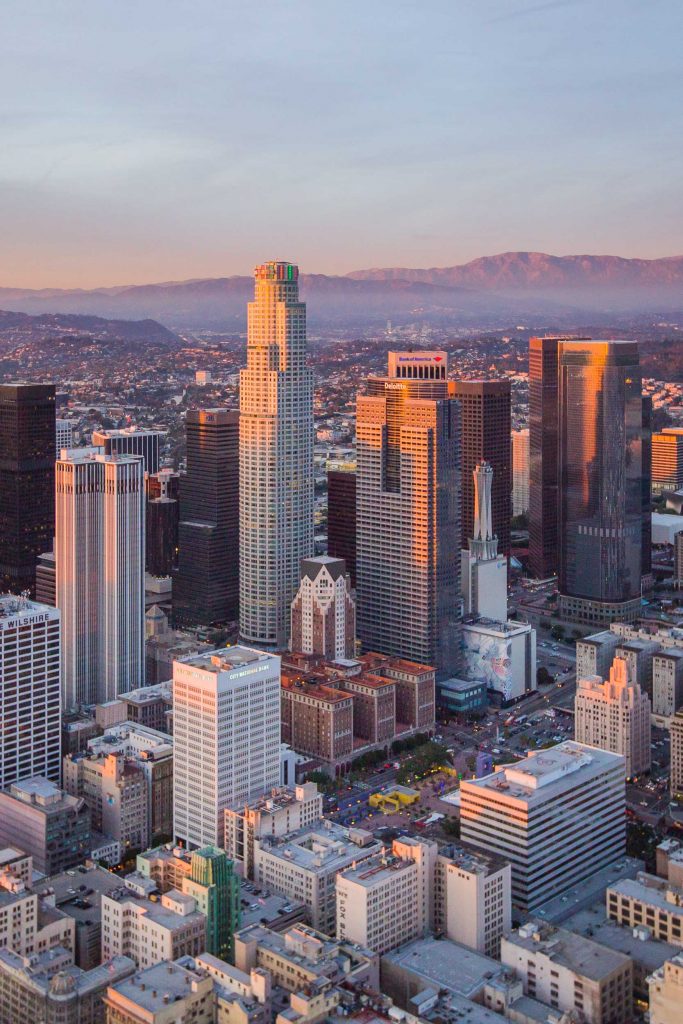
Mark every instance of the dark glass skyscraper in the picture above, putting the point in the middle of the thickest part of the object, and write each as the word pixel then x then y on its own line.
pixel 341 513
pixel 600 508
pixel 27 481
pixel 206 586
pixel 162 518
pixel 486 430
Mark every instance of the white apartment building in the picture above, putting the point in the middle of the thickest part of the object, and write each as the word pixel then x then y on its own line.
pixel 472 898
pixel 303 866
pixel 149 932
pixel 323 611
pixel 666 992
pixel 100 571
pixel 276 814
pixel 614 714
pixel 557 817
pixel 226 734
pixel 387 901
pixel 276 455
pixel 570 972
pixel 520 471
pixel 30 690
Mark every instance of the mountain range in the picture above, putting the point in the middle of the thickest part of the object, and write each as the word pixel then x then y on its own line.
pixel 509 284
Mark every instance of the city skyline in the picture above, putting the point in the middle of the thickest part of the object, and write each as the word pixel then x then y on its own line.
pixel 164 145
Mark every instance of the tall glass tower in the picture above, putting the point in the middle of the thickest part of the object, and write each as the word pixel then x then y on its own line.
pixel 600 467
pixel 408 513
pixel 276 455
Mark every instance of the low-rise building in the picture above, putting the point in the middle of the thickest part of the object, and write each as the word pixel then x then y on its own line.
pixel 649 901
pixel 163 993
pixel 667 684
pixel 303 866
pixel 278 814
pixel 571 972
pixel 502 655
pixel 301 956
pixel 150 931
pixel 595 654
pixel 666 992
pixel 437 965
pixel 47 823
pixel 47 989
pixel 317 719
pixel 151 706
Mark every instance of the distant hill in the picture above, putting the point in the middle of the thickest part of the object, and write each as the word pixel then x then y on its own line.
pixel 510 284
pixel 21 329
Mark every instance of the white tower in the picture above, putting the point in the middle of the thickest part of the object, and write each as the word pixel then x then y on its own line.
pixel 100 569
pixel 276 455
pixel 226 738
pixel 30 699
pixel 484 571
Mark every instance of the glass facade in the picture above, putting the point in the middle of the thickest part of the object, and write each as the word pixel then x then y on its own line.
pixel 600 470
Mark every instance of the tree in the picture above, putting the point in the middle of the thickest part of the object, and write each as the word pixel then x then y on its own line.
pixel 543 677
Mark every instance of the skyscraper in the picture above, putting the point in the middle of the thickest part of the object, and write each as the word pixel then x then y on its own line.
pixel 30 698
pixel 323 611
pixel 100 563
pixel 27 481
pixel 276 455
pixel 408 512
pixel 484 571
pixel 667 460
pixel 520 472
pixel 600 506
pixel 206 585
pixel 614 714
pixel 162 518
pixel 341 513
pixel 132 441
pixel 646 490
pixel 486 429
pixel 216 888
pixel 543 465
pixel 226 738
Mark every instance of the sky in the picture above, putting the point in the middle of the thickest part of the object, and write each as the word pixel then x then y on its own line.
pixel 162 140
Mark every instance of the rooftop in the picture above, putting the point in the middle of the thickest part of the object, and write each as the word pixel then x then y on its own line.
pixel 446 964
pixel 13 607
pixel 327 847
pixel 227 659
pixel 154 988
pixel 479 862
pixel 377 869
pixel 656 892
pixel 543 775
pixel 636 943
pixel 575 952
pixel 79 892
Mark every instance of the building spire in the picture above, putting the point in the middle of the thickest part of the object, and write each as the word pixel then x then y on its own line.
pixel 484 543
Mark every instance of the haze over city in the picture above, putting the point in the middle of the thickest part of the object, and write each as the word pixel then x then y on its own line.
pixel 167 140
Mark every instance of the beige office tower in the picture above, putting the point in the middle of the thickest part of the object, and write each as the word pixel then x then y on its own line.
pixel 408 513
pixel 615 715
pixel 276 455
pixel 520 472
pixel 100 567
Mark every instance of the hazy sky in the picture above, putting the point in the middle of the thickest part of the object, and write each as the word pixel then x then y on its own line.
pixel 166 139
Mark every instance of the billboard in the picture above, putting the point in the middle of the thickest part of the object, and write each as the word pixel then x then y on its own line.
pixel 488 659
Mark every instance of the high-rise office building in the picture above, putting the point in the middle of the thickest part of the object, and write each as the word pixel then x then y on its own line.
pixel 64 434
pixel 486 429
pixel 408 513
pixel 341 512
pixel 226 738
pixel 132 441
pixel 557 817
pixel 276 455
pixel 600 507
pixel 543 491
pixel 667 460
pixel 216 890
pixel 323 611
pixel 100 562
pixel 30 694
pixel 484 571
pixel 520 472
pixel 646 493
pixel 27 481
pixel 162 518
pixel 206 585
pixel 614 714
pixel 46 579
